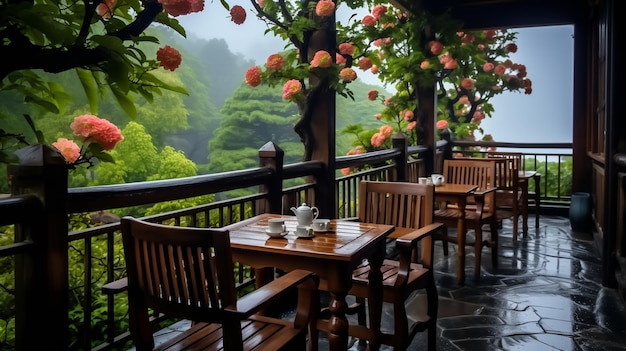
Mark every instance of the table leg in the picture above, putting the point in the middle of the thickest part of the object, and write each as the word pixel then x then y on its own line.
pixel 461 233
pixel 339 284
pixel 524 185
pixel 537 179
pixel 375 299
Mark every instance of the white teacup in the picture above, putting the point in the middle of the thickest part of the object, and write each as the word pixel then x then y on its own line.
pixel 321 225
pixel 423 180
pixel 276 225
pixel 303 231
pixel 437 179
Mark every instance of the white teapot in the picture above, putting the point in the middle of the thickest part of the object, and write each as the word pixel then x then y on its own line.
pixel 305 214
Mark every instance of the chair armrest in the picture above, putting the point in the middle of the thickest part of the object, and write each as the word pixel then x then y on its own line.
pixel 115 287
pixel 271 292
pixel 408 242
pixel 483 192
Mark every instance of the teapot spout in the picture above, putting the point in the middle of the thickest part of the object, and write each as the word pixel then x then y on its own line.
pixel 294 210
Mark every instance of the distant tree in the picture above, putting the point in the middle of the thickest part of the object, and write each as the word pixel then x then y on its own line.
pixel 139 154
pixel 251 118
pixel 173 164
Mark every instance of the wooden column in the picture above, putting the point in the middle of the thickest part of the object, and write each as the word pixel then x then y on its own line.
pixel 42 172
pixel 323 126
pixel 427 117
pixel 270 155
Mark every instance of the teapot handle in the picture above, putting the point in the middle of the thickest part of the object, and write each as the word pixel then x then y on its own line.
pixel 315 211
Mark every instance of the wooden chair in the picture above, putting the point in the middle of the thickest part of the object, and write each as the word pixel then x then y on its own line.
pixel 187 273
pixel 405 205
pixel 480 209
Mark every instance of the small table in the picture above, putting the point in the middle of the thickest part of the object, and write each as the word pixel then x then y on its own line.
pixel 457 193
pixel 332 255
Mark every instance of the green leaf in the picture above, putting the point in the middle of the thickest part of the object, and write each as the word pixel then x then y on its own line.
pixel 125 102
pixel 88 81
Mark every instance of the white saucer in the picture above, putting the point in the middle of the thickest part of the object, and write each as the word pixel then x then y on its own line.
pixel 304 237
pixel 321 230
pixel 275 235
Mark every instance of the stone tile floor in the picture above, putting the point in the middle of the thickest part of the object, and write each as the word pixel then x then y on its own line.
pixel 545 295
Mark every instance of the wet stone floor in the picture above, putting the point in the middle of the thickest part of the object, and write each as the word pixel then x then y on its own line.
pixel 546 294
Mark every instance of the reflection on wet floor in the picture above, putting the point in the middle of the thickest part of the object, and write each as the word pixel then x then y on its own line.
pixel 545 294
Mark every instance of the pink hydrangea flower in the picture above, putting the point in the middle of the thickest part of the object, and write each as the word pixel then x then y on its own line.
pixel 408 115
pixel 253 76
pixel 346 49
pixel 386 131
pixel 511 47
pixel 500 69
pixel 425 64
pixel 488 67
pixel 478 116
pixel 93 129
pixel 435 47
pixel 275 62
pixel 372 95
pixel 378 116
pixel 237 14
pixel 379 11
pixel 345 171
pixel 105 9
pixel 169 58
pixel 325 8
pixel 339 59
pixel 448 62
pixel 411 125
pixel 182 7
pixel 347 74
pixel 442 124
pixel 365 63
pixel 369 21
pixel 377 140
pixel 374 69
pixel 68 149
pixel 467 83
pixel 291 88
pixel 321 59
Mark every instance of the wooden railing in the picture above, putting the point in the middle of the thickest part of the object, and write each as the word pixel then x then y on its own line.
pixel 400 163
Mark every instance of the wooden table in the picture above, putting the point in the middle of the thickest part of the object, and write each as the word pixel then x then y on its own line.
pixel 457 193
pixel 332 255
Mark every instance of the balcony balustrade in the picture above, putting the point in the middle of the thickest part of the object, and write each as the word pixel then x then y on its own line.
pixel 37 243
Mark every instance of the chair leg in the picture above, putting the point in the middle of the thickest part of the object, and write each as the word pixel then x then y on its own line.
pixel 433 307
pixel 401 325
pixel 478 247
pixel 494 244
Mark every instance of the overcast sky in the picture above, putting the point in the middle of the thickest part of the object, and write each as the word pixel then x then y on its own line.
pixel 547 52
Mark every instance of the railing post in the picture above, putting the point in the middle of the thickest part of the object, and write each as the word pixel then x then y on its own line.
pixel 447 151
pixel 42 172
pixel 400 142
pixel 270 155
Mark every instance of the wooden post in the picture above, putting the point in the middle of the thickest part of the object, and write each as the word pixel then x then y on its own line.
pixel 400 141
pixel 42 172
pixel 427 103
pixel 270 155
pixel 323 126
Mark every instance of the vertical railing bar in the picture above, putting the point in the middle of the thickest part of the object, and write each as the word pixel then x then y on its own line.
pixel 87 313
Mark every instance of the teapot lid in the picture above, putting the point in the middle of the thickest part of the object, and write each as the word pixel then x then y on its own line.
pixel 303 206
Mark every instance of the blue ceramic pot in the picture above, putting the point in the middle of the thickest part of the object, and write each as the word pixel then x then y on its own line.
pixel 580 212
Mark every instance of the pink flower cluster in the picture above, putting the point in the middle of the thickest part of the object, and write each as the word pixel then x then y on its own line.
pixel 182 7
pixel 253 76
pixel 347 74
pixel 275 62
pixel 105 9
pixel 169 58
pixel 90 128
pixel 322 59
pixel 442 124
pixel 378 139
pixel 324 8
pixel 291 88
pixel 68 149
pixel 238 14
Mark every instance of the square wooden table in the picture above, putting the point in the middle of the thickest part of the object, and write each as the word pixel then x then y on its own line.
pixel 457 193
pixel 332 255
